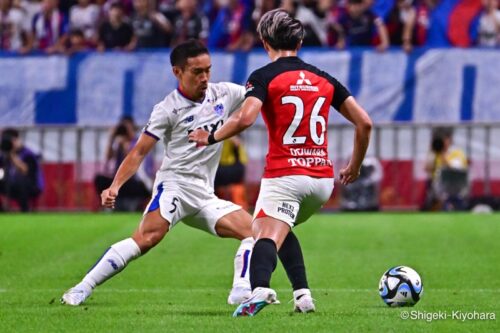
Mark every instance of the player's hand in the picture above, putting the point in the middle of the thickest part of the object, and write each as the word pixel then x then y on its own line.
pixel 108 197
pixel 348 175
pixel 200 137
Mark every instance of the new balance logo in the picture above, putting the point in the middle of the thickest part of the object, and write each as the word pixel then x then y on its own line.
pixel 303 79
pixel 113 264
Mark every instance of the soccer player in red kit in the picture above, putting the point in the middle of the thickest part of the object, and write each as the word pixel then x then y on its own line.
pixel 295 99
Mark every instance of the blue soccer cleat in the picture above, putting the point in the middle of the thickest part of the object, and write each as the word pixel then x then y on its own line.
pixel 261 297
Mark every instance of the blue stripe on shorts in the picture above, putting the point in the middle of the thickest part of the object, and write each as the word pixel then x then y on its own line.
pixel 155 204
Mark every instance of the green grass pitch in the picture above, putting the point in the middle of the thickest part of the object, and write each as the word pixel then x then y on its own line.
pixel 182 285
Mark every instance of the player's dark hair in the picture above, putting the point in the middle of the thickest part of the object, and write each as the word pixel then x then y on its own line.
pixel 280 30
pixel 189 49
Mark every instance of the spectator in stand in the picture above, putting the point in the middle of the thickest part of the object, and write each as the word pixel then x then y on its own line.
pixel 332 17
pixel 422 19
pixel 211 8
pixel 77 42
pixel 150 26
pixel 262 7
pixel 84 16
pixel 233 28
pixel 30 8
pixel 312 14
pixel 65 6
pixel 401 24
pixel 127 6
pixel 14 30
pixel 49 28
pixel 20 175
pixel 489 24
pixel 115 33
pixel 189 23
pixel 167 8
pixel 356 27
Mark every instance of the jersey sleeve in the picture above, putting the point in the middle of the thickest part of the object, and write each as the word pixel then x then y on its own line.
pixel 256 86
pixel 158 124
pixel 236 96
pixel 340 93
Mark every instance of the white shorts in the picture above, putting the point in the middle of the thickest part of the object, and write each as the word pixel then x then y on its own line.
pixel 191 204
pixel 292 199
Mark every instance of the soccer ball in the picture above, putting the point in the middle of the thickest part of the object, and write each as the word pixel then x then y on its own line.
pixel 401 286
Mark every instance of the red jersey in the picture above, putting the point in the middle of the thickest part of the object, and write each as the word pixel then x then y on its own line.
pixel 296 99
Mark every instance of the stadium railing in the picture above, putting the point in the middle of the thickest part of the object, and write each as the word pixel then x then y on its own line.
pixel 72 156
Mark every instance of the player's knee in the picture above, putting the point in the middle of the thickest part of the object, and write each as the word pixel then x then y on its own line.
pixel 234 231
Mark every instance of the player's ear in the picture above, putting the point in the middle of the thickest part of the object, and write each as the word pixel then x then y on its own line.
pixel 266 46
pixel 299 46
pixel 177 71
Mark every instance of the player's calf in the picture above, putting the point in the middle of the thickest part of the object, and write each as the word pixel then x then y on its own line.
pixel 241 290
pixel 112 262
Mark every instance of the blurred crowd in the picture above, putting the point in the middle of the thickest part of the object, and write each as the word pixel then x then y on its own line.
pixel 68 26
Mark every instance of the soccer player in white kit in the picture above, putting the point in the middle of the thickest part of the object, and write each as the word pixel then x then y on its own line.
pixel 183 188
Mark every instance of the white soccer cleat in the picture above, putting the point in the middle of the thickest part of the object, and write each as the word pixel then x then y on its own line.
pixel 261 297
pixel 303 302
pixel 76 295
pixel 239 295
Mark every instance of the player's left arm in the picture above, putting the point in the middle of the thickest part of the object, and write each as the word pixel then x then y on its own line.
pixel 353 112
pixel 127 168
pixel 237 123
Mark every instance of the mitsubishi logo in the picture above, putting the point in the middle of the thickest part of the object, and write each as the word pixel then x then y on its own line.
pixel 303 79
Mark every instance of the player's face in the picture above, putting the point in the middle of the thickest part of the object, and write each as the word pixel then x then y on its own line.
pixel 194 77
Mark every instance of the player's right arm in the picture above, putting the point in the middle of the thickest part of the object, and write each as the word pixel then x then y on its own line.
pixel 256 91
pixel 353 112
pixel 128 168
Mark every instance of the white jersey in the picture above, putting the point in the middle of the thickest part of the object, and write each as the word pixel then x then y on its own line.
pixel 176 116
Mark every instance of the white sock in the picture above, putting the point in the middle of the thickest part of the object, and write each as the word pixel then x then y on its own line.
pixel 112 262
pixel 242 263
